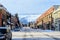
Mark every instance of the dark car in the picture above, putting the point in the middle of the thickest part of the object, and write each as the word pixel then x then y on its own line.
pixel 5 33
pixel 17 29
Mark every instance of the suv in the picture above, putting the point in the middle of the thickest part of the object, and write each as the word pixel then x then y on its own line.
pixel 5 33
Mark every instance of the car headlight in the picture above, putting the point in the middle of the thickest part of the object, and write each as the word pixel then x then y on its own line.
pixel 2 36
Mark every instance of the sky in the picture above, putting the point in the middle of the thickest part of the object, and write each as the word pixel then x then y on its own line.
pixel 28 7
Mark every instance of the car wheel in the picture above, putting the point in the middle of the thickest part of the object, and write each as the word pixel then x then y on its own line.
pixel 10 38
pixel 5 39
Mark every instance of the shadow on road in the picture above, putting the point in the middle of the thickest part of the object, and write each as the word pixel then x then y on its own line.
pixel 34 39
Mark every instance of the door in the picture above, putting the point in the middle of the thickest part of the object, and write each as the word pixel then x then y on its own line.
pixel 59 27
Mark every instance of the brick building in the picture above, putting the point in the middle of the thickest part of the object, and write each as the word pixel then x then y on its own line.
pixel 6 19
pixel 2 15
pixel 46 20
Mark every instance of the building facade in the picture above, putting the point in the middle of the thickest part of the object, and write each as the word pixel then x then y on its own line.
pixel 8 20
pixel 50 19
pixel 2 15
pixel 56 16
pixel 45 20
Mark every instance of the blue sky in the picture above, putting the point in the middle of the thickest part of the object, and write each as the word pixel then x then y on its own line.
pixel 28 7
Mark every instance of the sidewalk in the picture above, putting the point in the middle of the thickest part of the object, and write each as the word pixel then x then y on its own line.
pixel 54 35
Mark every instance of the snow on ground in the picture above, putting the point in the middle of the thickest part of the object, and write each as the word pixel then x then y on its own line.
pixel 27 29
pixel 33 39
pixel 27 33
pixel 30 36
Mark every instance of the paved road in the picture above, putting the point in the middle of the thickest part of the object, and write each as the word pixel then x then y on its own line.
pixel 35 35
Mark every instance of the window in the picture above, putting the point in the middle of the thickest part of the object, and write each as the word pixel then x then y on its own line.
pixel 3 17
pixel 1 5
pixel 49 16
pixel 0 9
pixel 3 31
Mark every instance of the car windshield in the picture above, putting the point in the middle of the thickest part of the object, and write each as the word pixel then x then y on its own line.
pixel 3 31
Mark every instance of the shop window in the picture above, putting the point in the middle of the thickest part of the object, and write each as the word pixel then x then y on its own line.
pixel 55 23
pixel 58 20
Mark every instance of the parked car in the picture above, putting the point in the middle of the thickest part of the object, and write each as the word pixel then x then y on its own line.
pixel 17 29
pixel 5 33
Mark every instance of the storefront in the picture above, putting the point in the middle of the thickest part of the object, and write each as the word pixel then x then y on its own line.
pixel 57 24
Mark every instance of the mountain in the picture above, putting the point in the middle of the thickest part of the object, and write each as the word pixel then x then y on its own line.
pixel 28 18
pixel 24 20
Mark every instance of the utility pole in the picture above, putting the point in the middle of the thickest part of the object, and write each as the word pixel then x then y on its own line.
pixel 16 15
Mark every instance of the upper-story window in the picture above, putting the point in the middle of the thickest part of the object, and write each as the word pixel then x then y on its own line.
pixel 3 17
pixel 49 16
pixel 1 5
pixel 0 9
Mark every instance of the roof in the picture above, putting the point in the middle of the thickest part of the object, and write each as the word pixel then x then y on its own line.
pixel 2 7
pixel 50 10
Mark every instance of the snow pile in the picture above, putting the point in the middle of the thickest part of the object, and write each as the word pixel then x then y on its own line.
pixel 27 29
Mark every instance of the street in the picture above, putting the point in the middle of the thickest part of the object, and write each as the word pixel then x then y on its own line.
pixel 29 19
pixel 35 35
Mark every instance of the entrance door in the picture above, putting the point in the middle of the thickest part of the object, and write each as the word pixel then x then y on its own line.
pixel 59 27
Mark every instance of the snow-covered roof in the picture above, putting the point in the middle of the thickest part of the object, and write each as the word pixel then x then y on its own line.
pixel 2 7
